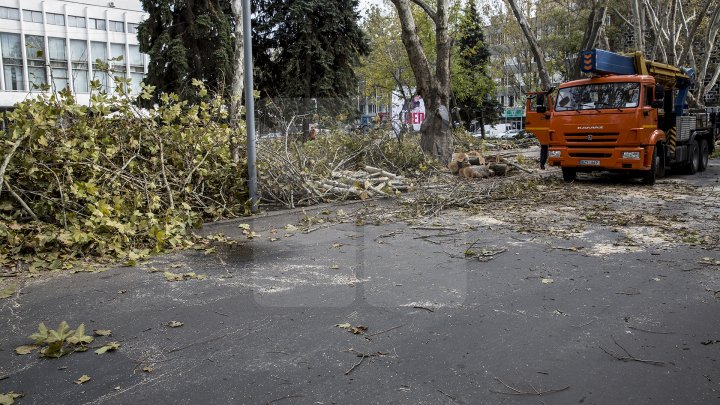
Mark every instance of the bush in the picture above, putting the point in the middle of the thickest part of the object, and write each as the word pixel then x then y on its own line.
pixel 110 180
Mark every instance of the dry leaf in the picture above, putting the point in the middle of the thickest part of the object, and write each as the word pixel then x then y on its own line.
pixel 344 326
pixel 175 324
pixel 102 332
pixel 83 379
pixel 25 349
pixel 291 228
pixel 9 398
pixel 244 226
pixel 547 281
pixel 334 267
pixel 148 369
pixel 357 330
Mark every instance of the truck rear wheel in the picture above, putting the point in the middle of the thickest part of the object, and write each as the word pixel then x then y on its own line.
pixel 693 163
pixel 704 155
pixel 569 173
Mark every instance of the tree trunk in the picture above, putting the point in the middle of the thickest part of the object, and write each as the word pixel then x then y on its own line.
pixel 596 19
pixel 639 35
pixel 537 52
pixel 237 80
pixel 435 133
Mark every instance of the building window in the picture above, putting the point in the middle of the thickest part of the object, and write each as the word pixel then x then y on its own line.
pixel 58 63
pixel 98 51
pixel 12 61
pixel 32 16
pixel 76 21
pixel 37 74
pixel 8 13
pixel 132 28
pixel 55 19
pixel 137 68
pixel 117 26
pixel 97 24
pixel 79 57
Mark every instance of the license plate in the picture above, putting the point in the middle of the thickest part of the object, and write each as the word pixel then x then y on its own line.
pixel 590 163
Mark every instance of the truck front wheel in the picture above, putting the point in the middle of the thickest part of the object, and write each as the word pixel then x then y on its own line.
pixel 704 155
pixel 569 173
pixel 649 176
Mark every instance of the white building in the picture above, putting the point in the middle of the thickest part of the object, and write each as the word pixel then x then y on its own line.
pixel 57 42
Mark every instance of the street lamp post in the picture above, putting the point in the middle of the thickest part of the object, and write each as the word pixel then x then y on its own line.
pixel 249 105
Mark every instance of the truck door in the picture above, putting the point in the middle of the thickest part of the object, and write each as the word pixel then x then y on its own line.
pixel 538 123
pixel 649 114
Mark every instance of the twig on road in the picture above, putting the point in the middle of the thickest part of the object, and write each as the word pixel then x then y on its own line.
pixel 515 391
pixel 285 397
pixel 629 357
pixel 650 331
pixel 384 331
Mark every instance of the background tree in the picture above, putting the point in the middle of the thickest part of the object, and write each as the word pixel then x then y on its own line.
pixel 307 49
pixel 472 88
pixel 186 40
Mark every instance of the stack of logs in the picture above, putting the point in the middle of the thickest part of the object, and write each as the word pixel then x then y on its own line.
pixel 363 184
pixel 473 165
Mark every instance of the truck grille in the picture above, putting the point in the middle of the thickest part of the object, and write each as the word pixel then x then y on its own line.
pixel 594 138
pixel 590 155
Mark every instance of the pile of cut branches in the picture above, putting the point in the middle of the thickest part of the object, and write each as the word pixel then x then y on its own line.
pixel 337 166
pixel 111 180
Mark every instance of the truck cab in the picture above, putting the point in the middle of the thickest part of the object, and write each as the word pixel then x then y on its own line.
pixel 626 122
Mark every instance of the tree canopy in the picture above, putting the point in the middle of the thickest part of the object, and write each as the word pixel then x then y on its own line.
pixel 188 39
pixel 307 48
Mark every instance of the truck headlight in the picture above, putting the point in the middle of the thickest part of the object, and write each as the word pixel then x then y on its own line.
pixel 631 155
pixel 554 154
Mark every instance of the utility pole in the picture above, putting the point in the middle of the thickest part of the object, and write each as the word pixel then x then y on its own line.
pixel 250 106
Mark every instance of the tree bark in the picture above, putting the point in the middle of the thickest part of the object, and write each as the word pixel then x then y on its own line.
pixel 693 31
pixel 639 35
pixel 237 80
pixel 435 133
pixel 537 52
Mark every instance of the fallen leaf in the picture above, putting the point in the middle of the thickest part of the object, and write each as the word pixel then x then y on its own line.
pixel 8 291
pixel 175 324
pixel 122 291
pixel 9 398
pixel 357 330
pixel 337 245
pixel 102 332
pixel 291 228
pixel 109 346
pixel 25 349
pixel 274 239
pixel 344 326
pixel 244 226
pixel 148 369
pixel 334 267
pixel 547 281
pixel 83 379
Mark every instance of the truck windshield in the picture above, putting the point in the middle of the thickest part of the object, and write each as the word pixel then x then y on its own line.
pixel 598 96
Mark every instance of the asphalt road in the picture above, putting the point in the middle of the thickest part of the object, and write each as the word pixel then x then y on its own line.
pixel 598 292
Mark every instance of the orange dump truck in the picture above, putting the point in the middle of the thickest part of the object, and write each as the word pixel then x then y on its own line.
pixel 629 115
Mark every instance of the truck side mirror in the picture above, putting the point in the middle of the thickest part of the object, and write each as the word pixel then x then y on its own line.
pixel 541 109
pixel 657 104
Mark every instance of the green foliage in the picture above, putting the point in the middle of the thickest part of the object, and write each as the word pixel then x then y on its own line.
pixel 113 186
pixel 473 88
pixel 307 48
pixel 62 341
pixel 185 40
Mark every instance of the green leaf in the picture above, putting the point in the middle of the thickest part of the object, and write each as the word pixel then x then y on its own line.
pixel 8 291
pixel 102 332
pixel 79 337
pixel 41 335
pixel 107 347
